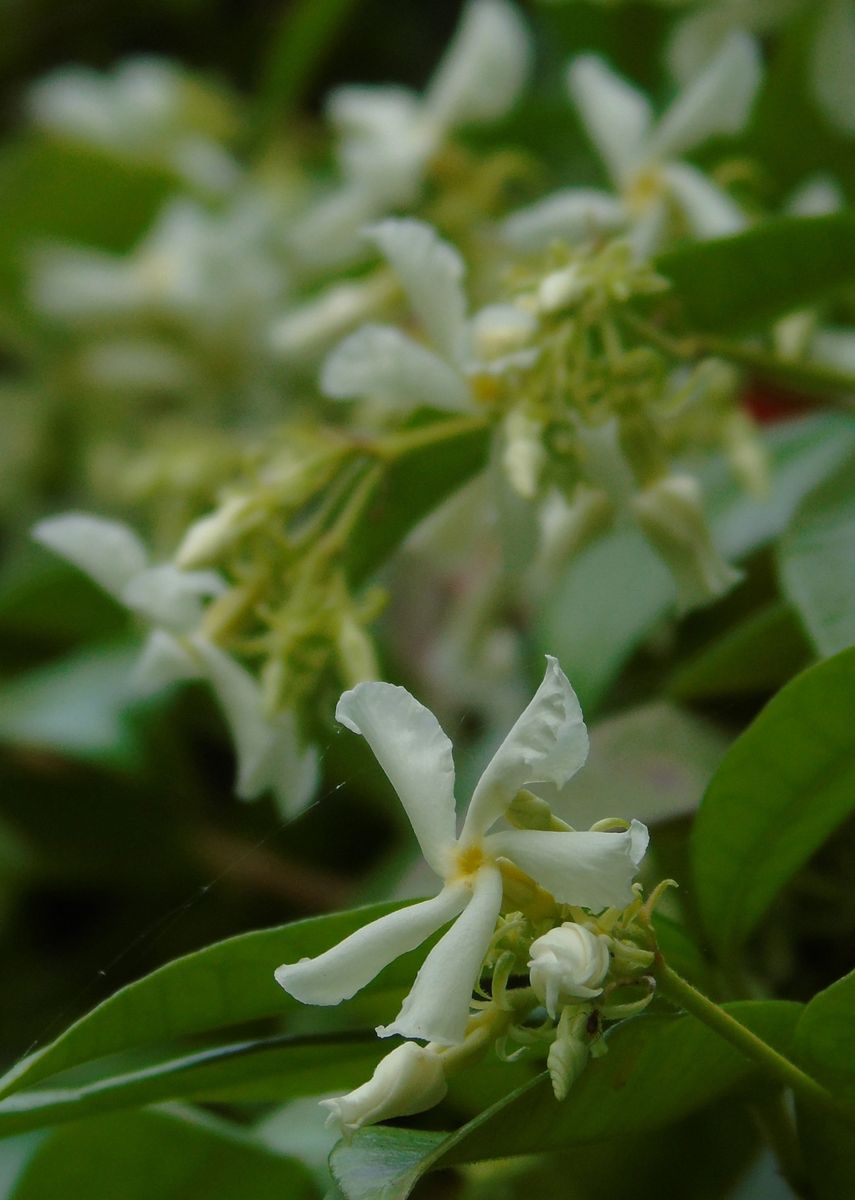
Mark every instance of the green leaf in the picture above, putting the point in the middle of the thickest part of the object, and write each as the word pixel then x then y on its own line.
pixel 270 1069
pixel 412 487
pixel 779 265
pixel 825 1038
pixel 78 706
pixel 817 561
pixel 222 985
pixel 783 787
pixel 757 655
pixel 657 1070
pixel 167 1154
pixel 594 640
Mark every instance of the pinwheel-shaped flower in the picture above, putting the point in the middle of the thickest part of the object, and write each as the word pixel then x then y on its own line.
pixel 170 601
pixel 643 159
pixel 382 363
pixel 548 743
pixel 388 135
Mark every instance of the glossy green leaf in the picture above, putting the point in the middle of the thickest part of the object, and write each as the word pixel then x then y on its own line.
pixel 757 655
pixel 594 640
pixel 78 706
pixel 270 1069
pixel 657 1069
pixel 222 985
pixel 817 561
pixel 779 265
pixel 411 488
pixel 782 789
pixel 167 1154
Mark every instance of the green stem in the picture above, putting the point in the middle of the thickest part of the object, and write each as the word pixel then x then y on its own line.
pixel 686 996
pixel 399 444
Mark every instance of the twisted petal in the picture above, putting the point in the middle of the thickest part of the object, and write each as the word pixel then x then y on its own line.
pixel 616 115
pixel 171 597
pixel 594 870
pixel 717 102
pixel 412 749
pixel 485 67
pixel 569 215
pixel 437 1008
pixel 380 362
pixel 339 973
pixel 162 661
pixel 269 757
pixel 430 271
pixel 109 552
pixel 708 210
pixel 548 744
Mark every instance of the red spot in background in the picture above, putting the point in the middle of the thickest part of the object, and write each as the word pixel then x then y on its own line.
pixel 769 404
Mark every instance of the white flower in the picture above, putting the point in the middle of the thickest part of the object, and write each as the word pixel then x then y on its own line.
pixel 643 159
pixel 145 109
pixel 548 743
pixel 269 757
pixel 408 1080
pixel 382 363
pixel 568 964
pixel 388 135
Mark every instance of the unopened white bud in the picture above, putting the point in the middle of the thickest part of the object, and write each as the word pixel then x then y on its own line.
pixel 206 538
pixel 561 289
pixel 670 513
pixel 568 964
pixel 409 1080
pixel 524 454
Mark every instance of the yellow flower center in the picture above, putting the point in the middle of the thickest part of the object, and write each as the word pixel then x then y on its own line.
pixel 646 187
pixel 469 860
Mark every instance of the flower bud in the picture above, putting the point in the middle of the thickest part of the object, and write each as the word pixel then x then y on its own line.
pixel 409 1080
pixel 568 964
pixel 208 537
pixel 671 515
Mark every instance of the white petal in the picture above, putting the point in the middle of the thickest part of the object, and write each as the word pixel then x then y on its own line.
pixel 431 273
pixel 570 215
pixel 818 195
pixel 384 364
pixel 708 210
pixel 594 870
pixel 717 102
pixel 616 115
pixel 484 68
pixel 383 142
pixel 268 753
pixel 108 551
pixel 647 233
pixel 340 972
pixel 548 744
pixel 162 661
pixel 437 1007
pixel 169 596
pixel 412 749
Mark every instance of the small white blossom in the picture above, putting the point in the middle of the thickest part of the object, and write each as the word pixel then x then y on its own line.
pixel 643 159
pixel 269 757
pixel 408 1080
pixel 145 109
pixel 382 363
pixel 568 964
pixel 548 743
pixel 388 135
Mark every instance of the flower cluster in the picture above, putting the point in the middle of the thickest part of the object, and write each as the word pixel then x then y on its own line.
pixel 524 900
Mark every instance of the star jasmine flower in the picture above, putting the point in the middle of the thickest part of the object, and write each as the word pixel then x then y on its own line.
pixel 170 600
pixel 466 355
pixel 644 159
pixel 388 135
pixel 408 1080
pixel 145 109
pixel 548 743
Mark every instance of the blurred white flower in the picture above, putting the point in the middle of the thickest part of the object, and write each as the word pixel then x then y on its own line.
pixel 146 109
pixel 381 363
pixel 644 159
pixel 548 743
pixel 408 1080
pixel 388 135
pixel 269 756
